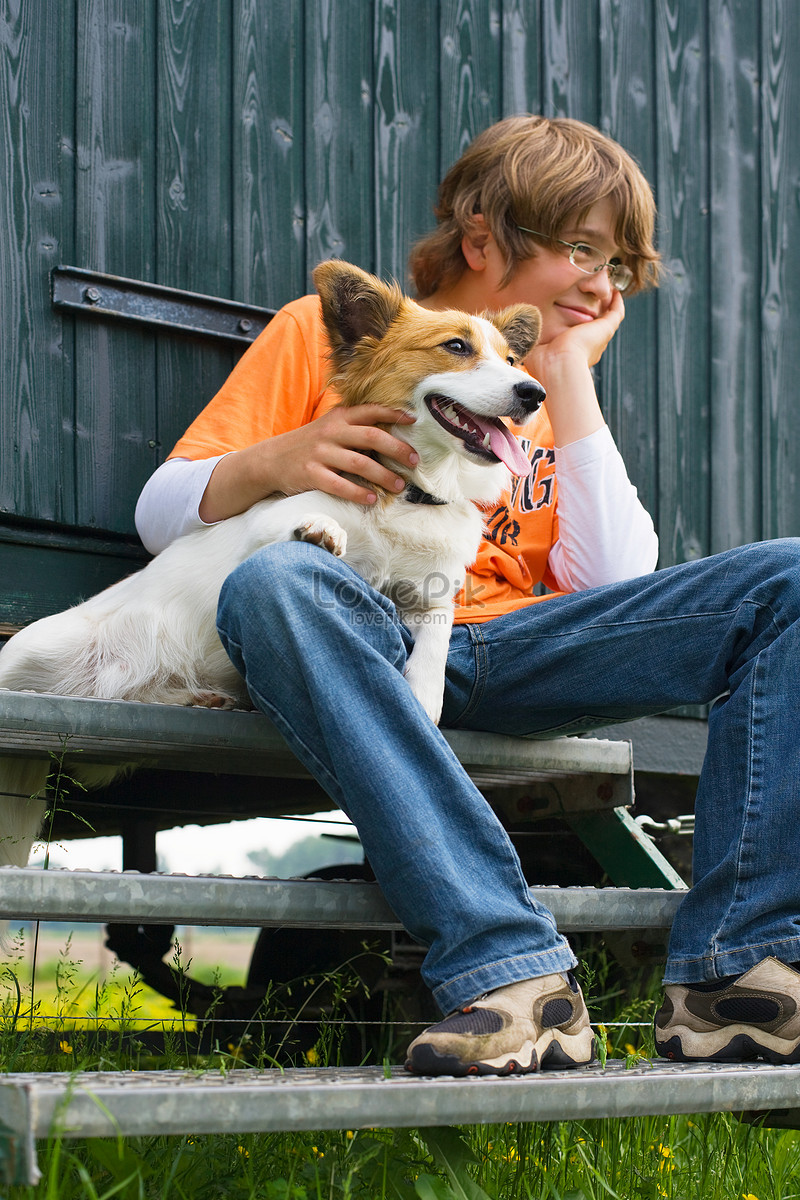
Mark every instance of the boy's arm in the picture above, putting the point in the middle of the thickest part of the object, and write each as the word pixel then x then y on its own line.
pixel 169 504
pixel 605 534
pixel 262 434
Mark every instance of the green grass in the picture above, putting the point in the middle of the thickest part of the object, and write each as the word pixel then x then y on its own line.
pixel 75 1020
pixel 706 1157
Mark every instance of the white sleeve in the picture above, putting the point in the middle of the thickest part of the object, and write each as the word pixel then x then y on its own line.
pixel 169 502
pixel 605 534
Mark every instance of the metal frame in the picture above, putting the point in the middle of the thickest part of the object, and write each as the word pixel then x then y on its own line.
pixel 143 1103
pixel 58 894
pixel 172 310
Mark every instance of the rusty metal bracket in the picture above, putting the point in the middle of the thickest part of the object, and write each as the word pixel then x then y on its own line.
pixel 170 309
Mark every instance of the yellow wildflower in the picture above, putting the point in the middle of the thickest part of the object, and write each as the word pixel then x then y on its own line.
pixel 65 1047
pixel 311 1057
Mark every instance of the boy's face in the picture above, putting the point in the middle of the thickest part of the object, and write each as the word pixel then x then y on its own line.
pixel 565 295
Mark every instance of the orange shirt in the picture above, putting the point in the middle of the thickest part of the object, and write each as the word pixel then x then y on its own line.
pixel 281 384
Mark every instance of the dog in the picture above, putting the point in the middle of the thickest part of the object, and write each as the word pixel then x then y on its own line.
pixel 152 636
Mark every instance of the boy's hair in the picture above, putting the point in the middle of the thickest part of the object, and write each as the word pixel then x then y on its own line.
pixel 539 172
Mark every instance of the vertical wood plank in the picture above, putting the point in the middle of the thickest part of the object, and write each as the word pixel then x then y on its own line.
pixel 470 73
pixel 780 346
pixel 115 232
pixel 268 134
pixel 629 368
pixel 193 200
pixel 683 376
pixel 734 270
pixel 406 130
pixel 570 59
pixel 36 172
pixel 339 162
pixel 521 50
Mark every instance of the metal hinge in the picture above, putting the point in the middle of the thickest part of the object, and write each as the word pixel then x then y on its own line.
pixel 170 309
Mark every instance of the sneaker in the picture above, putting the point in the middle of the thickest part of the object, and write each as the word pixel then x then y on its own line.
pixel 527 1026
pixel 755 1015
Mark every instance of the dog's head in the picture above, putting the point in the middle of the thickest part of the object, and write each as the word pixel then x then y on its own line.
pixel 454 372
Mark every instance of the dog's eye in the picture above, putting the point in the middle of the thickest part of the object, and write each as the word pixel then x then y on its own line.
pixel 457 346
pixel 511 360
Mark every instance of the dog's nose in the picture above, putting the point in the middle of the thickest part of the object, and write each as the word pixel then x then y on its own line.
pixel 530 393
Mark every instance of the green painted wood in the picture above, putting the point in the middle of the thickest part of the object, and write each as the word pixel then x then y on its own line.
pixel 46 575
pixel 228 145
pixel 115 403
pixel 407 165
pixel 570 60
pixel 338 146
pixel 193 201
pixel 268 136
pixel 521 58
pixel 629 370
pixel 780 260
pixel 470 32
pixel 683 322
pixel 36 470
pixel 734 270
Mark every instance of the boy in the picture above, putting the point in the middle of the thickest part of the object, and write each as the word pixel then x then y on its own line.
pixel 553 213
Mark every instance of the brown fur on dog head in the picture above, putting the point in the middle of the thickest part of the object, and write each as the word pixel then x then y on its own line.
pixel 356 305
pixel 520 325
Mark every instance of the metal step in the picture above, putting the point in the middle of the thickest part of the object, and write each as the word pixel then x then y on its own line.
pixel 57 894
pixel 246 743
pixel 586 782
pixel 143 1103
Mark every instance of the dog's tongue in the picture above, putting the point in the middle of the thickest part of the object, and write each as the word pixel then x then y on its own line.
pixel 504 445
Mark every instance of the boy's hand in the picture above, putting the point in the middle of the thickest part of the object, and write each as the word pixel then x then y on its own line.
pixel 342 442
pixel 587 340
pixel 317 456
pixel 563 367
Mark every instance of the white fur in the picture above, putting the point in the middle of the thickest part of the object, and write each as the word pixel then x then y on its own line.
pixel 152 637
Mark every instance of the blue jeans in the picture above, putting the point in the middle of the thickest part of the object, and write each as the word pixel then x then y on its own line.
pixel 323 655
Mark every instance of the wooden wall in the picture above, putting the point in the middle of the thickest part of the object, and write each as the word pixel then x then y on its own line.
pixel 226 146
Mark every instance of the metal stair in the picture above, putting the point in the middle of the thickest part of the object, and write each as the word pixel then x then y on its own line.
pixel 585 781
pixel 141 1103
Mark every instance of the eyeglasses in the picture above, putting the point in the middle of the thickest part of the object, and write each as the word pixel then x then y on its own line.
pixel 590 260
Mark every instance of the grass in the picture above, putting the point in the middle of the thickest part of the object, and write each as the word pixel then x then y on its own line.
pixel 75 1019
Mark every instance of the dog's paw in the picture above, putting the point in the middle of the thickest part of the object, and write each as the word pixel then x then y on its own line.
pixel 323 531
pixel 209 699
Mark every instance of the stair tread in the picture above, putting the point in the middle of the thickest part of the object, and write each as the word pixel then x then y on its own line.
pixel 58 894
pixel 248 1099
pixel 238 742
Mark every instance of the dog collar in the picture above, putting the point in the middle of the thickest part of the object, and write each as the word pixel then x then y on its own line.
pixel 415 495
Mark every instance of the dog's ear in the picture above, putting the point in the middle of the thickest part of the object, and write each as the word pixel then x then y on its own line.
pixel 520 325
pixel 355 305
